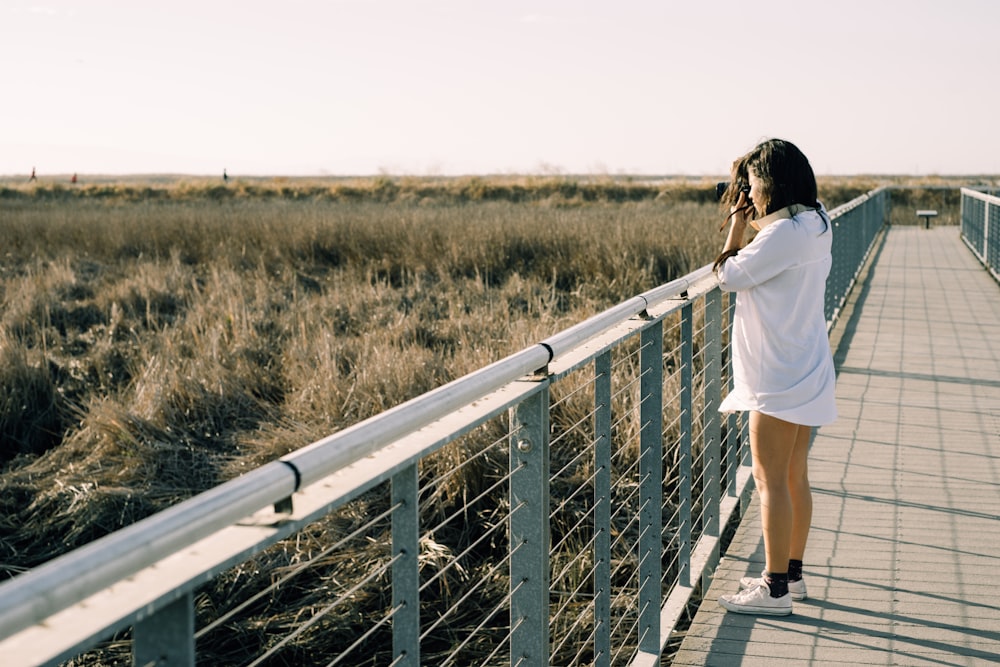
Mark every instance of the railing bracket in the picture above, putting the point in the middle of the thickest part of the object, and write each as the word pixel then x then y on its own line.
pixel 284 506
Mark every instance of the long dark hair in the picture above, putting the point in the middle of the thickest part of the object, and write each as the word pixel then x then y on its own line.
pixel 784 173
pixel 785 178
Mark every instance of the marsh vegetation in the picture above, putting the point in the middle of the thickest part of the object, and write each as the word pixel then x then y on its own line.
pixel 157 340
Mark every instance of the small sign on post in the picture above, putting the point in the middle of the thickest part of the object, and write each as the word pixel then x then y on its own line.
pixel 927 215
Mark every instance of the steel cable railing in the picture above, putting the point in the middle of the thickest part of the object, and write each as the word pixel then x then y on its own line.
pixel 294 572
pixel 551 508
pixel 318 616
pixel 980 216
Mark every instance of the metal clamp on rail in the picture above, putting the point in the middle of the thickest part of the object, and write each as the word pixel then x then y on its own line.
pixel 542 372
pixel 284 506
pixel 644 313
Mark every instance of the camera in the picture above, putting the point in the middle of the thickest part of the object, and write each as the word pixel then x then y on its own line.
pixel 720 189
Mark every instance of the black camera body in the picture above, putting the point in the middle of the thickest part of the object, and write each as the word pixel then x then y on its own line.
pixel 720 189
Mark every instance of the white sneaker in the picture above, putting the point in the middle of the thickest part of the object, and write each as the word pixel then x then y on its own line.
pixel 797 589
pixel 757 600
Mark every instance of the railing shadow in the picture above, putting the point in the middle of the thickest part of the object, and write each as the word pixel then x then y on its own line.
pixel 845 330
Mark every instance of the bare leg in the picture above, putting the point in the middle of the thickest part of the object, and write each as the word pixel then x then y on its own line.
pixel 798 486
pixel 772 443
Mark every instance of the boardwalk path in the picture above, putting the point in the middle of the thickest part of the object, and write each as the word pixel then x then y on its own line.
pixel 903 564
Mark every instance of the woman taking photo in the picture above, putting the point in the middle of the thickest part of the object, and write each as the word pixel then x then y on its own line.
pixel 783 370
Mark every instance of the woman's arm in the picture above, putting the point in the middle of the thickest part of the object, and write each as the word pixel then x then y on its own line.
pixel 737 230
pixel 734 241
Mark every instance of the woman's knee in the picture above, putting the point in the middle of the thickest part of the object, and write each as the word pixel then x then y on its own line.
pixel 771 479
pixel 798 483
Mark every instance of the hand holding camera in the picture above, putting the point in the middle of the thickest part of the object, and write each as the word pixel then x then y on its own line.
pixel 743 188
pixel 740 197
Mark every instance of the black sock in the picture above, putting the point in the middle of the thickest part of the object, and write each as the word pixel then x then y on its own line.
pixel 794 570
pixel 778 583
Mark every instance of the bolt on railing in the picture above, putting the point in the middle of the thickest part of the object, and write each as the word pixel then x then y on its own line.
pixel 561 506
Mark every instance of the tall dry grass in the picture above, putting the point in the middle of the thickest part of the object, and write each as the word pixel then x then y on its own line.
pixel 159 340
pixel 157 348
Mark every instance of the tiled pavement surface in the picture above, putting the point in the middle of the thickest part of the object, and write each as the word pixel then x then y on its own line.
pixel 904 553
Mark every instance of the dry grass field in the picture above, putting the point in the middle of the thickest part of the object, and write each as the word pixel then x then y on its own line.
pixel 159 337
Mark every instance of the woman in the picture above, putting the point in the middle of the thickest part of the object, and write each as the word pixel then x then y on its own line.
pixel 783 371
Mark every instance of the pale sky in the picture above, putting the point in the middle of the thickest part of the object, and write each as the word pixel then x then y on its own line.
pixel 441 87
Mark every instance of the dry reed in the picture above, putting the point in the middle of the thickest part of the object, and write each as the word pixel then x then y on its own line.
pixel 157 341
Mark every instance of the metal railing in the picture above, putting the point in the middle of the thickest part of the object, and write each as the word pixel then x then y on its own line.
pixel 981 227
pixel 856 225
pixel 559 506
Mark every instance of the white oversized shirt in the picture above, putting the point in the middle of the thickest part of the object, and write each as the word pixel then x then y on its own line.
pixel 782 365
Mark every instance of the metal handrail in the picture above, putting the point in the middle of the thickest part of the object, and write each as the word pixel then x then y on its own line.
pixel 35 596
pixel 334 452
pixel 980 219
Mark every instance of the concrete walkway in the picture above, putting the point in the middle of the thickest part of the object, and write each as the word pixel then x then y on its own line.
pixel 903 561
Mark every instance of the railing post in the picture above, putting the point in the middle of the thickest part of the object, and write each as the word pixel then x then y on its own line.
pixel 529 530
pixel 650 486
pixel 732 432
pixel 405 571
pixel 964 213
pixel 602 510
pixel 712 431
pixel 166 637
pixel 986 233
pixel 684 462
